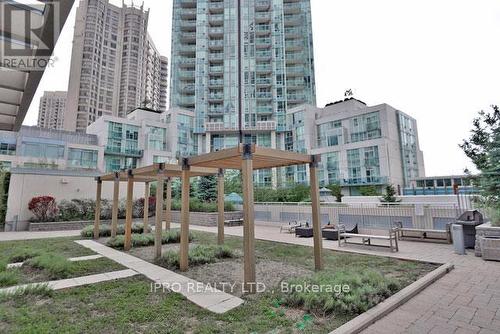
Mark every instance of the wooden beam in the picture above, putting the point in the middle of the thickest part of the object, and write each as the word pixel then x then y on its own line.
pixel 97 213
pixel 128 219
pixel 248 223
pixel 159 214
pixel 114 215
pixel 220 207
pixel 213 156
pixel 146 206
pixel 184 246
pixel 316 215
pixel 168 205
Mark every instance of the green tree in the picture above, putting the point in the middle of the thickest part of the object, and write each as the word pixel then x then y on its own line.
pixel 369 191
pixel 390 195
pixel 336 191
pixel 232 181
pixel 207 188
pixel 483 148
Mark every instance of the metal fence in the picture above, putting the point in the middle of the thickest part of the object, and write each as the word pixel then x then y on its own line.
pixel 368 216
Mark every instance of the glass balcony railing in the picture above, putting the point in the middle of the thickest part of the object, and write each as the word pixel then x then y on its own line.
pixel 263 95
pixel 216 69
pixel 360 181
pixel 116 150
pixel 263 68
pixel 216 83
pixel 263 81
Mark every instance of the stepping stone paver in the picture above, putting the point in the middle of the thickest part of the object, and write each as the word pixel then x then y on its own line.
pixel 213 300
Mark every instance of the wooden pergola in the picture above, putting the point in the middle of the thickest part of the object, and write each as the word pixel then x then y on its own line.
pixel 245 157
pixel 160 173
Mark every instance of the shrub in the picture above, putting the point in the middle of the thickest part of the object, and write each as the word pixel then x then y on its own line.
pixel 9 278
pixel 43 207
pixel 195 205
pixel 56 266
pixel 141 240
pixel 367 288
pixel 68 210
pixel 23 255
pixel 297 193
pixel 138 207
pixel 29 290
pixel 199 254
pixel 105 230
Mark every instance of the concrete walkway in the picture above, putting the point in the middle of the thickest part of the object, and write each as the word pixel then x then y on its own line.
pixel 202 295
pixel 77 281
pixel 466 300
pixel 27 235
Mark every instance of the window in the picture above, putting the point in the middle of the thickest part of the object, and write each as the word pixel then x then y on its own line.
pixel 43 150
pixel 7 149
pixel 79 158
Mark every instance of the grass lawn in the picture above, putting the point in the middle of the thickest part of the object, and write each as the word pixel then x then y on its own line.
pixel 51 264
pixel 129 305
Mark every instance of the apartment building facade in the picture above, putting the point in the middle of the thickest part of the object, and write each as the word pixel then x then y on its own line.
pixel 51 110
pixel 263 47
pixel 115 66
pixel 359 145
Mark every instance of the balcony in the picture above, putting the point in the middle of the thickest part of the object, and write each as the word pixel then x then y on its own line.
pixel 188 3
pixel 262 17
pixel 188 100
pixel 262 42
pixel 264 95
pixel 292 8
pixel 216 7
pixel 262 126
pixel 292 20
pixel 216 19
pixel 187 62
pixel 216 44
pixel 295 71
pixel 188 88
pixel 216 31
pixel 263 81
pixel 263 110
pixel 296 98
pixel 186 75
pixel 294 58
pixel 215 111
pixel 266 68
pixel 362 181
pixel 188 36
pixel 216 69
pixel 263 55
pixel 188 25
pixel 220 127
pixel 262 29
pixel 188 13
pixel 293 32
pixel 262 5
pixel 217 56
pixel 297 83
pixel 294 45
pixel 187 49
pixel 215 83
pixel 121 151
pixel 213 97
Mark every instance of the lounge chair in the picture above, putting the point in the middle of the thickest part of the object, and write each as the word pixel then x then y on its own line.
pixel 290 227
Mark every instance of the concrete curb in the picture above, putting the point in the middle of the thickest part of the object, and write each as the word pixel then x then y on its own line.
pixel 364 320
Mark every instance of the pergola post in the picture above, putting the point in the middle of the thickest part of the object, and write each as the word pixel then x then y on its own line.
pixel 316 215
pixel 97 219
pixel 248 220
pixel 220 207
pixel 116 194
pixel 128 219
pixel 168 204
pixel 159 212
pixel 184 245
pixel 146 206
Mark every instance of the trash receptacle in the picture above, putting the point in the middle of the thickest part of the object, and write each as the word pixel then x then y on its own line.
pixel 469 220
pixel 457 233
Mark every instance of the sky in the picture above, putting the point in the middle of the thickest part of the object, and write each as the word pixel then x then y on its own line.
pixel 437 61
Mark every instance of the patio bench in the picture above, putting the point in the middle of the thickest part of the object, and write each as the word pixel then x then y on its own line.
pixel 234 222
pixel 290 227
pixel 428 235
pixel 366 239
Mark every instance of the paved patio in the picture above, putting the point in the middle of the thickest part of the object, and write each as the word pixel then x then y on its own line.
pixel 467 300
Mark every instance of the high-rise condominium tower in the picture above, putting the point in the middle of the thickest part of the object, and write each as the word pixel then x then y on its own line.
pixel 51 110
pixel 115 66
pixel 261 49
